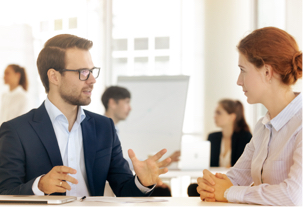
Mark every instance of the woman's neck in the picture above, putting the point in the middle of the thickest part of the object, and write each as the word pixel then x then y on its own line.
pixel 227 131
pixel 13 87
pixel 277 102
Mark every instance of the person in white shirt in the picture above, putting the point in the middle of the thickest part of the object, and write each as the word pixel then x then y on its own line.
pixel 269 172
pixel 14 102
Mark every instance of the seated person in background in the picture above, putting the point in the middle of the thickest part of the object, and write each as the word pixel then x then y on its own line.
pixel 14 102
pixel 228 145
pixel 116 101
pixel 269 172
pixel 60 148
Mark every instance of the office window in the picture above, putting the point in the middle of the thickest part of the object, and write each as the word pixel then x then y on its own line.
pixel 161 64
pixel 58 24
pixel 44 26
pixel 140 65
pixel 72 23
pixel 162 43
pixel 119 44
pixel 141 43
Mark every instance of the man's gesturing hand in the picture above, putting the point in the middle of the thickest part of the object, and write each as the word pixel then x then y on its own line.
pixel 55 180
pixel 148 171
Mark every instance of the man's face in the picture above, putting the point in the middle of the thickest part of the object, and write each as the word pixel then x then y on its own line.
pixel 122 108
pixel 72 90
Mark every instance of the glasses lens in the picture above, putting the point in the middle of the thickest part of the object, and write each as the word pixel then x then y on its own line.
pixel 84 74
pixel 95 72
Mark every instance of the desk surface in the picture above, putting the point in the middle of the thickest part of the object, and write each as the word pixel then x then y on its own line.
pixel 171 201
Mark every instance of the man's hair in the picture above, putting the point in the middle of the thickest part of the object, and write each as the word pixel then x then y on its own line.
pixel 115 92
pixel 53 54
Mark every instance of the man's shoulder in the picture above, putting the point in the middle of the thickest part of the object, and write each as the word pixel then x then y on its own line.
pixel 96 116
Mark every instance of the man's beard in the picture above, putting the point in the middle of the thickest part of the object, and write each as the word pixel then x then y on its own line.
pixel 69 98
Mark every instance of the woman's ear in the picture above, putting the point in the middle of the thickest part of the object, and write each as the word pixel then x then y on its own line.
pixel 269 72
pixel 54 76
pixel 233 117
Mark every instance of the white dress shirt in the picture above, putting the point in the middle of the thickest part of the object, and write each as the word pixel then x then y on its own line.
pixel 272 160
pixel 13 103
pixel 71 149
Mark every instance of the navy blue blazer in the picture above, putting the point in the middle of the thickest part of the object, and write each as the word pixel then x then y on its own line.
pixel 29 148
pixel 238 143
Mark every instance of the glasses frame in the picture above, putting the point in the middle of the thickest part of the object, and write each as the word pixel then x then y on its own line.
pixel 79 71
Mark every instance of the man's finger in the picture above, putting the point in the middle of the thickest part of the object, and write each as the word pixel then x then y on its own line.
pixel 163 171
pixel 159 154
pixel 64 184
pixel 66 177
pixel 132 156
pixel 65 169
pixel 165 162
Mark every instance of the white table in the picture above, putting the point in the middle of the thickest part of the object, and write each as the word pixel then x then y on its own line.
pixel 171 201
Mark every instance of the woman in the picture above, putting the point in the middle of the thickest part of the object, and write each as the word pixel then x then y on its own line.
pixel 227 145
pixel 14 102
pixel 270 170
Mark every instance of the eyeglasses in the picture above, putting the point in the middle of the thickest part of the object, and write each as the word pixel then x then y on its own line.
pixel 84 72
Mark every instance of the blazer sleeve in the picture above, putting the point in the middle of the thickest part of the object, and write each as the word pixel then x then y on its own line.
pixel 12 164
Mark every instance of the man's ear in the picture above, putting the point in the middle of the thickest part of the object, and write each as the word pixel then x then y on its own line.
pixel 112 103
pixel 54 76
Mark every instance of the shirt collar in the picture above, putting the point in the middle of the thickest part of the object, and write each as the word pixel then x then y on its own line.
pixel 285 115
pixel 54 112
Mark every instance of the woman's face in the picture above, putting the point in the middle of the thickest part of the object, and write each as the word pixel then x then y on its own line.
pixel 251 79
pixel 11 77
pixel 222 118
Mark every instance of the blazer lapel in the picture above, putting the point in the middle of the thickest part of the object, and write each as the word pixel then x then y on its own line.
pixel 41 123
pixel 89 148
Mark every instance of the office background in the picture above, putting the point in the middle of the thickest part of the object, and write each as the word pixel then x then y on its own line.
pixel 197 38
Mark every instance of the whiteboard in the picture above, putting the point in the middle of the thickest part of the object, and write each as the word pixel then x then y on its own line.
pixel 156 119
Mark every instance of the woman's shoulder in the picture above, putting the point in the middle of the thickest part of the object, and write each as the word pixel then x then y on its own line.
pixel 215 135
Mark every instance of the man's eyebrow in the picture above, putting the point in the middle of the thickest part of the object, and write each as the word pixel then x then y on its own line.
pixel 241 66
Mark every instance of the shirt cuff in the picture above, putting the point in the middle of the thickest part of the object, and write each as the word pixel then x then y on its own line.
pixel 35 188
pixel 236 194
pixel 142 188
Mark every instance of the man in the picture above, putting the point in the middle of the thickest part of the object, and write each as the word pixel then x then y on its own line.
pixel 116 101
pixel 61 148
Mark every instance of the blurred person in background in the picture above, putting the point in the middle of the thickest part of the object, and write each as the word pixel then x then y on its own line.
pixel 227 145
pixel 14 102
pixel 116 101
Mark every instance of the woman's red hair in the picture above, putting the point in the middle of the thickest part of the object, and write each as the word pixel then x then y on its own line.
pixel 275 47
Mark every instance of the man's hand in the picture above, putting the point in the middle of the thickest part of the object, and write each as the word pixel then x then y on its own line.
pixel 212 187
pixel 175 156
pixel 148 171
pixel 55 180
